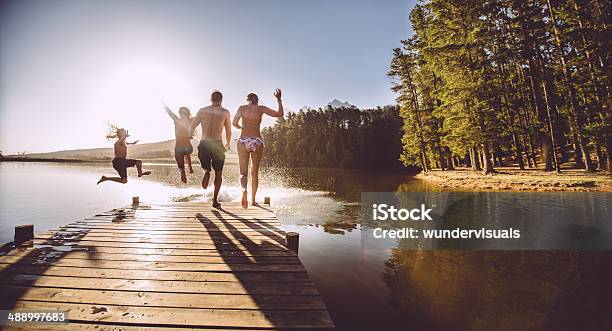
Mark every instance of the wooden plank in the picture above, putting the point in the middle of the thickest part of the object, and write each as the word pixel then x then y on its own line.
pixel 184 235
pixel 187 216
pixel 106 327
pixel 164 251
pixel 235 223
pixel 195 227
pixel 144 231
pixel 220 240
pixel 160 230
pixel 231 208
pixel 196 237
pixel 270 246
pixel 264 222
pixel 272 223
pixel 191 213
pixel 49 253
pixel 227 227
pixel 198 204
pixel 183 217
pixel 196 276
pixel 188 317
pixel 137 285
pixel 164 299
pixel 167 266
pixel 177 210
pixel 167 227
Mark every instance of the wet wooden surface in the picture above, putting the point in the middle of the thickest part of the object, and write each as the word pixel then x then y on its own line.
pixel 179 265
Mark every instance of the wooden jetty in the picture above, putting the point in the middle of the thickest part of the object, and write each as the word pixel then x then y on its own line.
pixel 164 267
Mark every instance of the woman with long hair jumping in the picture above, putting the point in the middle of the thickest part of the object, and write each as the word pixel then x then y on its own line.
pixel 120 161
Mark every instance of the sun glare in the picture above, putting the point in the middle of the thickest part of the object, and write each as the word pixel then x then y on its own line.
pixel 145 81
pixel 131 92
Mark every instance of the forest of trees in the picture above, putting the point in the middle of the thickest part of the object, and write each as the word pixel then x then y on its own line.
pixel 524 82
pixel 337 137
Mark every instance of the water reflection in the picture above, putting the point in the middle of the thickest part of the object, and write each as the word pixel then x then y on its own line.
pixel 503 290
pixel 379 288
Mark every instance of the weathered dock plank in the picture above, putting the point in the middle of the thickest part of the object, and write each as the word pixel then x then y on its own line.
pixel 164 267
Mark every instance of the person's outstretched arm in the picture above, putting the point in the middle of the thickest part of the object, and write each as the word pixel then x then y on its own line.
pixel 132 143
pixel 228 131
pixel 237 118
pixel 194 124
pixel 170 112
pixel 281 111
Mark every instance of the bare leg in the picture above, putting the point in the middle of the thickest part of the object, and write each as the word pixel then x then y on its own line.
pixel 218 181
pixel 113 179
pixel 188 161
pixel 206 179
pixel 139 168
pixel 243 159
pixel 256 159
pixel 180 162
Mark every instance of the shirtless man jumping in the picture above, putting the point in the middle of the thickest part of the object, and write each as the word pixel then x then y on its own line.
pixel 211 150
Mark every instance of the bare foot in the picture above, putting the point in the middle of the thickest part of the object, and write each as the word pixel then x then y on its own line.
pixel 103 178
pixel 216 204
pixel 183 177
pixel 146 173
pixel 245 202
pixel 254 203
pixel 205 180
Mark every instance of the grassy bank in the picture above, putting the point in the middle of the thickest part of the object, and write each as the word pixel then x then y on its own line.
pixel 521 180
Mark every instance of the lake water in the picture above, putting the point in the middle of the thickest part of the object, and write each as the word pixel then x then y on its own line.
pixel 385 288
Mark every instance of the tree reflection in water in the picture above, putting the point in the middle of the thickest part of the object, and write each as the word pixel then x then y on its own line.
pixel 503 290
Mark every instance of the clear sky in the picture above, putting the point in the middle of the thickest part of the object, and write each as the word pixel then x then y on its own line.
pixel 67 67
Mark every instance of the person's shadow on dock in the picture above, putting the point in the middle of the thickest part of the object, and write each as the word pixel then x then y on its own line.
pixel 275 307
pixel 256 224
pixel 23 266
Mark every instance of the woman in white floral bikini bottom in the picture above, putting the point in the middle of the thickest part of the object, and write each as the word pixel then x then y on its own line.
pixel 250 145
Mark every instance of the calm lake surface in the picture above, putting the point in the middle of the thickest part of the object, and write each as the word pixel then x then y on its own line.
pixel 377 289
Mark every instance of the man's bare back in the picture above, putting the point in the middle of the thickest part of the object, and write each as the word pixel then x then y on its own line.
pixel 213 119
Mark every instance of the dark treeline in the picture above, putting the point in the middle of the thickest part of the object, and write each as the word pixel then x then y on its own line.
pixel 524 82
pixel 337 137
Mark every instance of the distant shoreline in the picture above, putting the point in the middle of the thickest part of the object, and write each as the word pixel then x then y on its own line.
pixel 510 179
pixel 34 159
pixel 230 159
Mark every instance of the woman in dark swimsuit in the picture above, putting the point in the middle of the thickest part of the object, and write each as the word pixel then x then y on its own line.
pixel 250 145
pixel 121 162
